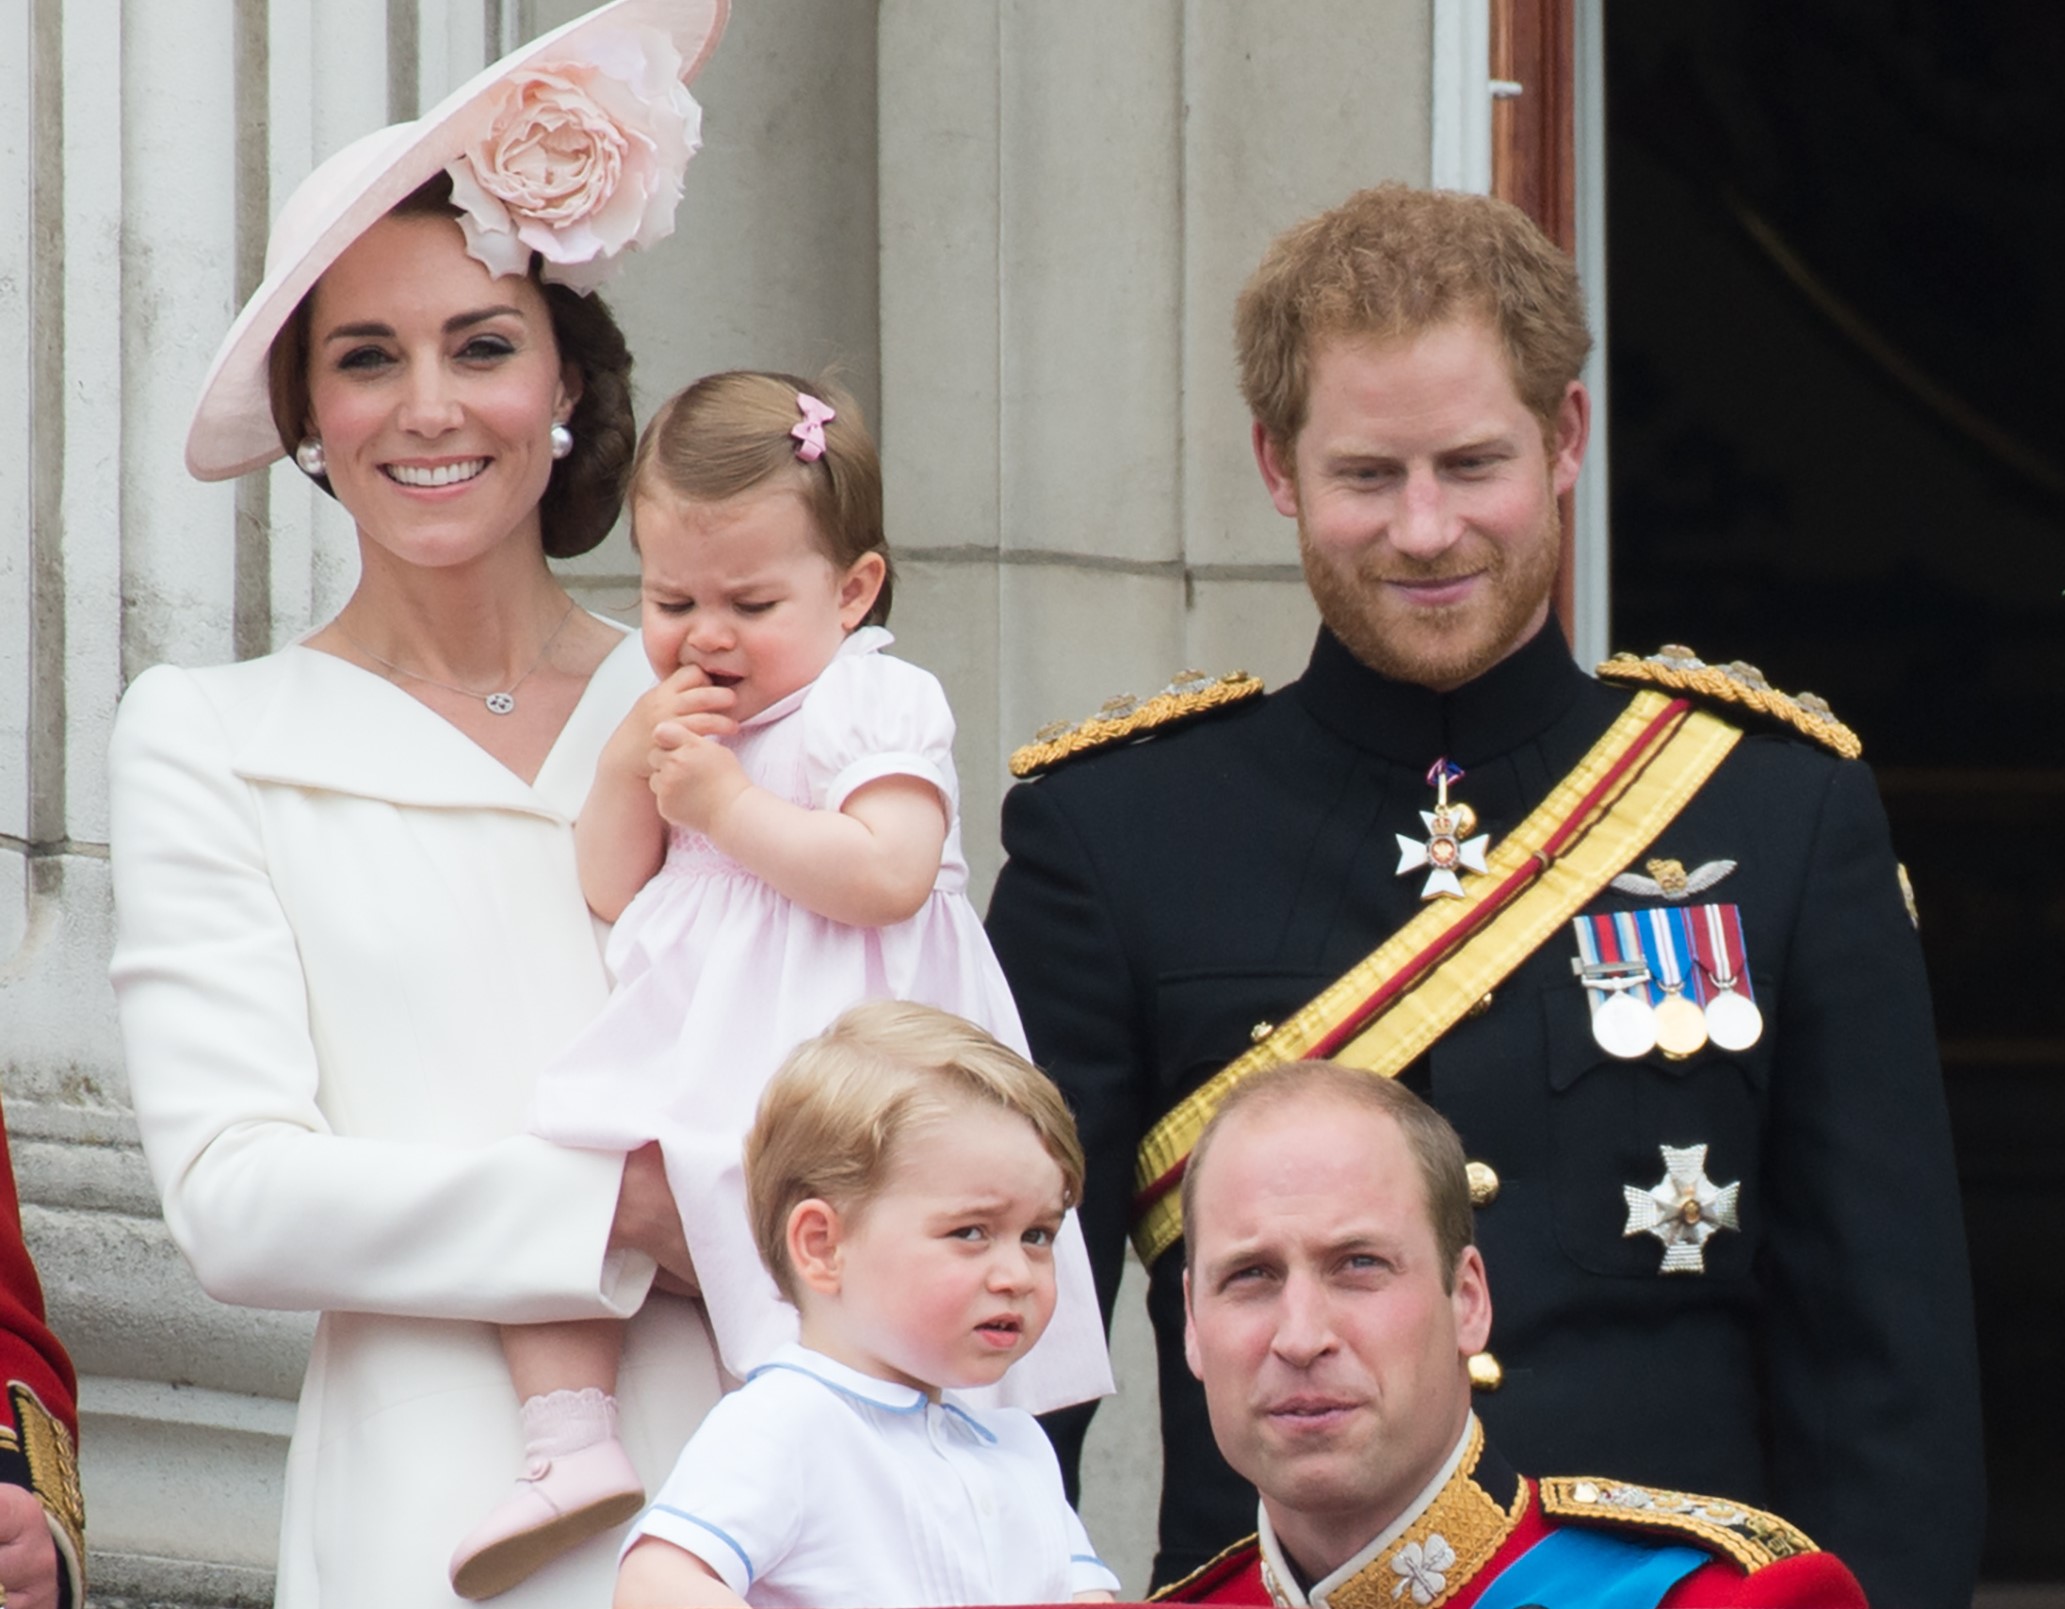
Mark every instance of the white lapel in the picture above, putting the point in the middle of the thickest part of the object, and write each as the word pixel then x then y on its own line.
pixel 330 725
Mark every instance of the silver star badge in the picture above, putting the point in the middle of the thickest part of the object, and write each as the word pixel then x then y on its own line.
pixel 1683 1209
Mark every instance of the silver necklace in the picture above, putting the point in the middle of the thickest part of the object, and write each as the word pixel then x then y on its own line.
pixel 502 703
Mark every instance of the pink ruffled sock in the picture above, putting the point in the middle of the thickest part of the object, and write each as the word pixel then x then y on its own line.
pixel 562 1422
pixel 577 1482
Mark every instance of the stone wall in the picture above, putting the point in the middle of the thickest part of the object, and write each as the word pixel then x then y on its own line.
pixel 1016 226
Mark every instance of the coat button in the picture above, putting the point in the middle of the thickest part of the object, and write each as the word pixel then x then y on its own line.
pixel 1261 1031
pixel 1481 1007
pixel 1484 1184
pixel 1485 1373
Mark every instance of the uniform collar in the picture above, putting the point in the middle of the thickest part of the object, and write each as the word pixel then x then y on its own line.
pixel 849 1382
pixel 1510 704
pixel 1445 1536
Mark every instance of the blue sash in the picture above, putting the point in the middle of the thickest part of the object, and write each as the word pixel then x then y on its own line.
pixel 1578 1569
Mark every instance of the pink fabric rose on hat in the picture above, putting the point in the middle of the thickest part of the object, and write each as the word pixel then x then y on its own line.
pixel 580 162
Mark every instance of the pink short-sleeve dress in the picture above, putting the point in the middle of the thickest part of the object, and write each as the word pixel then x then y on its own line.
pixel 719 977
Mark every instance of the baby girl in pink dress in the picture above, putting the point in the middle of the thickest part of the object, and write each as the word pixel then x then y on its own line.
pixel 772 852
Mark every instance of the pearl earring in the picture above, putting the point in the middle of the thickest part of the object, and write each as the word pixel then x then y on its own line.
pixel 562 441
pixel 309 458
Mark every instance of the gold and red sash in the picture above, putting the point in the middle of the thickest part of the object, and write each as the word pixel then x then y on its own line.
pixel 1394 1003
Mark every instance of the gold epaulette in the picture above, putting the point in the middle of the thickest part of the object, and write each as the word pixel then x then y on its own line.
pixel 1679 670
pixel 1125 718
pixel 1749 1536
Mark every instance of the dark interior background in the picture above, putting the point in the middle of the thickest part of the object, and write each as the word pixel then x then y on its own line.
pixel 1837 394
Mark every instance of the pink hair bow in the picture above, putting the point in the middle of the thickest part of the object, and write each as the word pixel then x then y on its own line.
pixel 810 434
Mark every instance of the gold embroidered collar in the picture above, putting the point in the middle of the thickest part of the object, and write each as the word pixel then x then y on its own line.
pixel 1437 1553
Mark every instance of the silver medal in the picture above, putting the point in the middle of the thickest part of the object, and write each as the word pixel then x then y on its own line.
pixel 1624 1025
pixel 1732 1020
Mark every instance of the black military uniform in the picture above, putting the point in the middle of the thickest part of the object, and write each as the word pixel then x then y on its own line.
pixel 1163 900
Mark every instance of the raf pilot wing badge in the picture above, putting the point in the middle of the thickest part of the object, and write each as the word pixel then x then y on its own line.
pixel 1668 879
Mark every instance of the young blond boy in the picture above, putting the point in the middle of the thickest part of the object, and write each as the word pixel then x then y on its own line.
pixel 907 1177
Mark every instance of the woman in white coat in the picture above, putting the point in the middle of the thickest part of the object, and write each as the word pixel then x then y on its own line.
pixel 350 930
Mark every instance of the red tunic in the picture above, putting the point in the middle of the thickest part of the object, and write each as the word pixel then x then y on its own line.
pixel 39 1415
pixel 1809 1581
pixel 1486 1521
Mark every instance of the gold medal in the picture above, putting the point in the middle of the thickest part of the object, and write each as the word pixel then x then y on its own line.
pixel 1681 1027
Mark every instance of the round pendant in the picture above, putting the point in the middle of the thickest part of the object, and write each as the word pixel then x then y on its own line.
pixel 1681 1026
pixel 1733 1020
pixel 1625 1026
pixel 500 703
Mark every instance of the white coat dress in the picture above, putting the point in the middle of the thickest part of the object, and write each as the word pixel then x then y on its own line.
pixel 347 939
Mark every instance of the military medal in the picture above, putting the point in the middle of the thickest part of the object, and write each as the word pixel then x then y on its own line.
pixel 1732 1018
pixel 1449 844
pixel 1681 1026
pixel 1616 977
pixel 1684 1209
pixel 1624 1025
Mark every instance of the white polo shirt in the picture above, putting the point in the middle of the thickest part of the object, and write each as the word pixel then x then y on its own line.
pixel 820 1487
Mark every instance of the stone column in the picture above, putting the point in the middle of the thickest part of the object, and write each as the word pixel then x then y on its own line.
pixel 1072 192
pixel 127 186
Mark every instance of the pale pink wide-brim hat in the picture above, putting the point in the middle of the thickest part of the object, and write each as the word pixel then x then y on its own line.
pixel 598 70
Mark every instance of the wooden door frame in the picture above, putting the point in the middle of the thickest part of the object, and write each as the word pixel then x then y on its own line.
pixel 1535 131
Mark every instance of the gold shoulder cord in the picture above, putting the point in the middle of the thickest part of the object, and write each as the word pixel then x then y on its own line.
pixel 1749 1536
pixel 1676 669
pixel 1122 719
